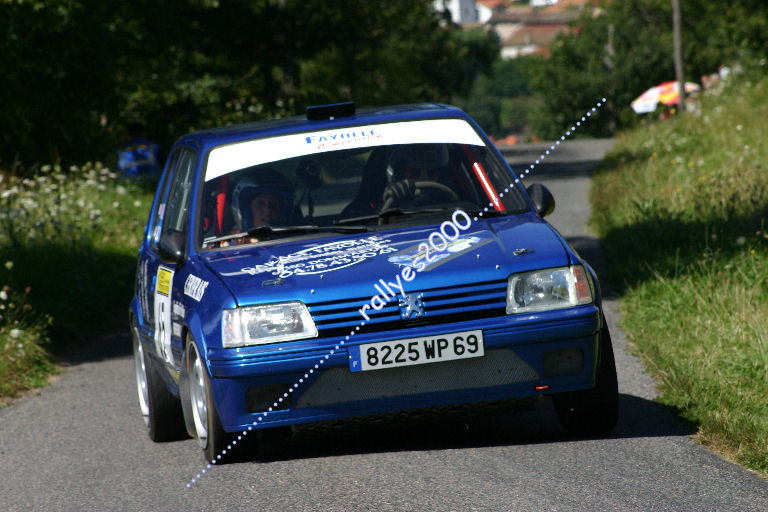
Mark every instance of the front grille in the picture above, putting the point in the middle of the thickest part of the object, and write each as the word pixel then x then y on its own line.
pixel 338 385
pixel 441 305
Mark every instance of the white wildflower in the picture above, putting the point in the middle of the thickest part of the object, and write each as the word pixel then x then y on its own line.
pixel 28 203
pixel 8 193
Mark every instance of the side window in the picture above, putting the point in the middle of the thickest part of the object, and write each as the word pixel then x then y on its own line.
pixel 177 206
pixel 159 213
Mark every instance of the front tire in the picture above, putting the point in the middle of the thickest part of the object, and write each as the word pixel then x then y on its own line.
pixel 206 424
pixel 160 409
pixel 595 411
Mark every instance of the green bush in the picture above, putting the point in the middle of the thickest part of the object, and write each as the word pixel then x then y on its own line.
pixel 70 239
pixel 619 49
pixel 24 363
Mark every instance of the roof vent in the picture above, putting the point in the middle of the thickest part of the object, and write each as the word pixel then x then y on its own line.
pixel 323 112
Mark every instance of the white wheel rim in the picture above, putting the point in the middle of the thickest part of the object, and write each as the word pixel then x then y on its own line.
pixel 197 396
pixel 141 376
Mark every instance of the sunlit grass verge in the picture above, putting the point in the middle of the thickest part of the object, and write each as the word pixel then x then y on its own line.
pixel 68 239
pixel 24 363
pixel 682 207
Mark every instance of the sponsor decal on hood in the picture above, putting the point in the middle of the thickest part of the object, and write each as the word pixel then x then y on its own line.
pixel 423 257
pixel 320 259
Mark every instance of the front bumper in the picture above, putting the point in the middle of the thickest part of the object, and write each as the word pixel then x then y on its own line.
pixel 310 380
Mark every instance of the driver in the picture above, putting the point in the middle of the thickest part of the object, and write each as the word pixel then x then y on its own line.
pixel 263 198
pixel 408 167
pixel 419 171
pixel 417 162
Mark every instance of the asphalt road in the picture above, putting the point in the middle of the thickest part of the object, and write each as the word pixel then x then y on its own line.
pixel 80 443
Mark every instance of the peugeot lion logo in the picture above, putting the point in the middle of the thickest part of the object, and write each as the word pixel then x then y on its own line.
pixel 411 306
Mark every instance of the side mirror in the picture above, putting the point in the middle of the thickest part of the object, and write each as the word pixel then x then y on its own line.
pixel 543 200
pixel 171 247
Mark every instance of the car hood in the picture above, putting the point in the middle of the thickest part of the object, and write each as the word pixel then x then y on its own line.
pixel 347 267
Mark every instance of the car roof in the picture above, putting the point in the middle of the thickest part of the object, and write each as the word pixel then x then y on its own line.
pixel 206 139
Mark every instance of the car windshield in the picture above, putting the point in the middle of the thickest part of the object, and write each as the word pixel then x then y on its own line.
pixel 361 183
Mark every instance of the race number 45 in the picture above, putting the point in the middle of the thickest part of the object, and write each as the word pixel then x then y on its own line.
pixel 163 313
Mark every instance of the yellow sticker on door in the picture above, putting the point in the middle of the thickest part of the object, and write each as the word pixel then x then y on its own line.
pixel 164 281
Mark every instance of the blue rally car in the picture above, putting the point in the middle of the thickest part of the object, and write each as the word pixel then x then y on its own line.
pixel 355 262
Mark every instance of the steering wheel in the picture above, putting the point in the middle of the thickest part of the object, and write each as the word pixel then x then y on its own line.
pixel 407 190
pixel 419 185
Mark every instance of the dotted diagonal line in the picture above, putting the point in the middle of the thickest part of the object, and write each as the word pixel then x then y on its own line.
pixel 531 167
pixel 336 347
pixel 280 399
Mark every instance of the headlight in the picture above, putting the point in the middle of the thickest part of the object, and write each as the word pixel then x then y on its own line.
pixel 258 325
pixel 553 288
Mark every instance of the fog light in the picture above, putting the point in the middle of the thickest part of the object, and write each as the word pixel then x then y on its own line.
pixel 261 398
pixel 563 361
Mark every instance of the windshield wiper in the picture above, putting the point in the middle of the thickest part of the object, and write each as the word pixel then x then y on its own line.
pixel 388 214
pixel 485 215
pixel 223 238
pixel 261 231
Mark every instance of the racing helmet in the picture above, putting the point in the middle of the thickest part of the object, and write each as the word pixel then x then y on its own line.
pixel 261 181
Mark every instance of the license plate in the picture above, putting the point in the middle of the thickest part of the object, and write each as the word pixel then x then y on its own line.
pixel 412 351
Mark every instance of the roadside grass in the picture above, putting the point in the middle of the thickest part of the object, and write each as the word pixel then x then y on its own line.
pixel 682 208
pixel 24 364
pixel 68 244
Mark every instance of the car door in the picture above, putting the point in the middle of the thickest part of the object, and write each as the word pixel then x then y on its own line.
pixel 166 252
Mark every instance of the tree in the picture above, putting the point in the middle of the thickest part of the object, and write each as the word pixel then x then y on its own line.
pixel 576 76
pixel 84 69
pixel 498 99
pixel 678 52
pixel 638 37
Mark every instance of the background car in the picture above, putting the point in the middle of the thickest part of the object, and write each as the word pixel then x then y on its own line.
pixel 355 262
